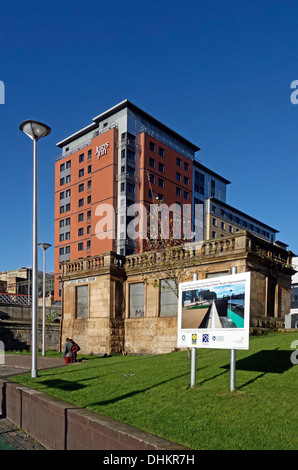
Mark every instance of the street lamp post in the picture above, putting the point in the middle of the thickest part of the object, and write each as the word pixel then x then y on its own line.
pixel 35 130
pixel 44 246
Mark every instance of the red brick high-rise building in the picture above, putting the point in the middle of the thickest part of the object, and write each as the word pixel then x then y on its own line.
pixel 124 157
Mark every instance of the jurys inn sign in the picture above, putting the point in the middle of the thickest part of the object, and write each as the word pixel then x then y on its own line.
pixel 102 149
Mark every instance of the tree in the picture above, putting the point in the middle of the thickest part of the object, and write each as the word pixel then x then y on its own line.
pixel 168 254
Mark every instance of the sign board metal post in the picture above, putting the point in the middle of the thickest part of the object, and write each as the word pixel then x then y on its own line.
pixel 232 370
pixel 233 357
pixel 193 355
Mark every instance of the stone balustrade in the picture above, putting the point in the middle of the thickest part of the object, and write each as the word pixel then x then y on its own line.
pixel 238 243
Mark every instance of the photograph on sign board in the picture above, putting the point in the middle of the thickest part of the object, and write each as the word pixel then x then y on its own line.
pixel 215 307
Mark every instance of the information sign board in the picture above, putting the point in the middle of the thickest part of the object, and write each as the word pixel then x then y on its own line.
pixel 214 313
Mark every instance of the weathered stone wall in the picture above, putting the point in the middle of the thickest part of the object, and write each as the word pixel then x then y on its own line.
pixel 150 335
pixel 17 336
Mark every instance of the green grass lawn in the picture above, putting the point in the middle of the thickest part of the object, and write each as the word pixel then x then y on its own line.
pixel 153 393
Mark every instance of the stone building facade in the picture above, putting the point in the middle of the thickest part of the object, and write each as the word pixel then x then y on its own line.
pixel 107 307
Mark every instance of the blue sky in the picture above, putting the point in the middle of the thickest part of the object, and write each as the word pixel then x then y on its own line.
pixel 218 72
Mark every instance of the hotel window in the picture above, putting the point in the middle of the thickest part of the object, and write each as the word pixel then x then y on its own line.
pixel 161 167
pixel 61 223
pixel 67 250
pixel 152 162
pixel 152 179
pixel 178 176
pixel 214 222
pixel 88 244
pixel 61 237
pixel 130 156
pixel 89 184
pixel 179 162
pixel 80 246
pixel 82 301
pixel 186 195
pixel 61 251
pixel 81 158
pixel 88 229
pixel 160 197
pixel 68 164
pixel 62 181
pixel 130 188
pixel 81 202
pixel 81 172
pixel 230 229
pixel 62 209
pixel 62 195
pixel 186 180
pixel 152 146
pixel 89 154
pixel 186 166
pixel 81 232
pixel 223 226
pixel 213 234
pixel 62 167
pixel 161 152
pixel 67 193
pixel 67 235
pixel 81 217
pixel 123 153
pixel 161 183
pixel 88 199
pixel 88 215
pixel 67 207
pixel 122 188
pixel 89 169
pixel 68 179
pixel 178 191
pixel 81 187
pixel 67 221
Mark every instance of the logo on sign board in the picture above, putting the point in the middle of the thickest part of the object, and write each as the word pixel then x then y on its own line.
pixel 206 338
pixel 102 149
pixel 194 339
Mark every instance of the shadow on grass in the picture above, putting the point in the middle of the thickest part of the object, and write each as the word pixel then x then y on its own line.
pixel 63 384
pixel 135 392
pixel 274 361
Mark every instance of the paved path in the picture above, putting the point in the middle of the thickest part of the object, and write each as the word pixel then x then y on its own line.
pixel 11 437
pixel 19 364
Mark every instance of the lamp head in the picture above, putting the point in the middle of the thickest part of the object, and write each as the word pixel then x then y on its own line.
pixel 44 246
pixel 34 129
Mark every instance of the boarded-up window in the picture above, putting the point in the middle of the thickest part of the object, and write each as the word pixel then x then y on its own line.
pixel 168 298
pixel 136 300
pixel 82 302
